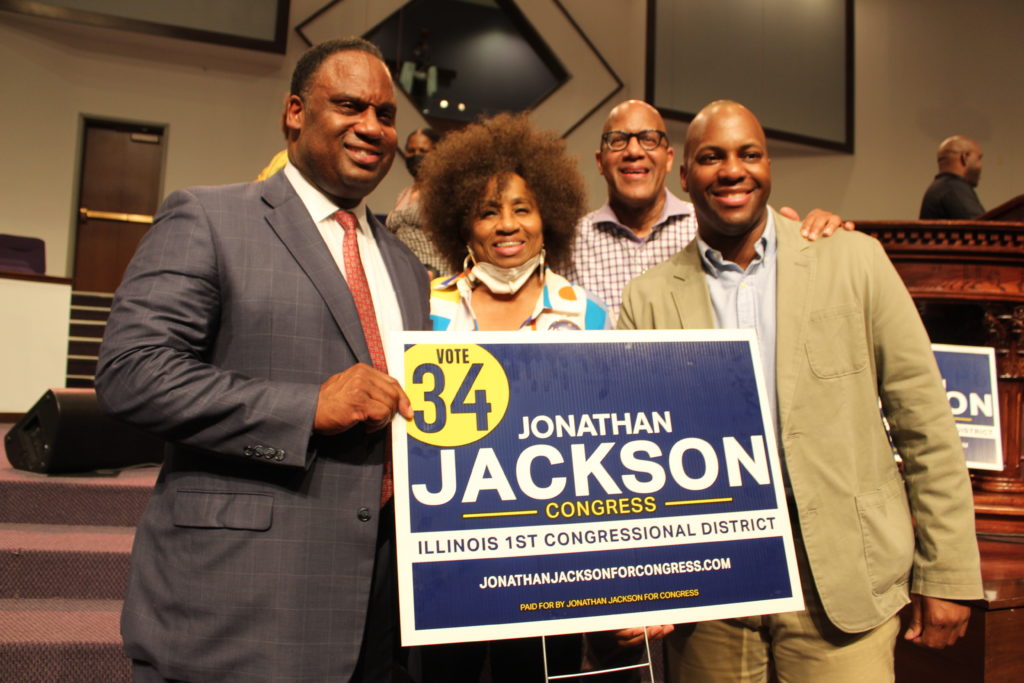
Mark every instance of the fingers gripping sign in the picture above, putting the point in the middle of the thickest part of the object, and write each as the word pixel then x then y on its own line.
pixel 633 637
pixel 359 394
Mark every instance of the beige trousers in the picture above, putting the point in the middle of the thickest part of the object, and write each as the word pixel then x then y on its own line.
pixel 802 647
pixel 739 650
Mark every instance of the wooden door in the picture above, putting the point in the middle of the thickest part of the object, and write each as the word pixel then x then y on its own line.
pixel 118 193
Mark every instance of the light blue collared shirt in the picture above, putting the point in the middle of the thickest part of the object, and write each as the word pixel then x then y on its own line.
pixel 746 298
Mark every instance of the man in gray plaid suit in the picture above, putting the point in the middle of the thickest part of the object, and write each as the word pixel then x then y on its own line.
pixel 266 550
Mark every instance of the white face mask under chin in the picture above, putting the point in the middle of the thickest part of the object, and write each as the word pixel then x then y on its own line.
pixel 503 280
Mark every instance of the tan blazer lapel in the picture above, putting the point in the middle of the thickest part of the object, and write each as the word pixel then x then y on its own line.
pixel 796 270
pixel 692 303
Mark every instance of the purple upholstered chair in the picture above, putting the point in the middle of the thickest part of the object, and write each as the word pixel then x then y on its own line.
pixel 22 254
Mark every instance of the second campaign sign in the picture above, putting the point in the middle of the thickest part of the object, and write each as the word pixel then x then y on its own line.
pixel 969 373
pixel 559 482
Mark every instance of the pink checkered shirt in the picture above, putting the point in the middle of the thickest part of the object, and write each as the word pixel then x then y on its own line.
pixel 607 254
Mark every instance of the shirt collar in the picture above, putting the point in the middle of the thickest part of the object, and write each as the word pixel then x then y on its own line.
pixel 673 207
pixel 450 281
pixel 764 249
pixel 318 204
pixel 559 296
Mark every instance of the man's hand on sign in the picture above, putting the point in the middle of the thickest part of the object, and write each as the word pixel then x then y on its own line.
pixel 631 637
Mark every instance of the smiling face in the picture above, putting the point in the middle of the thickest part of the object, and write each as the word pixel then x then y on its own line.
pixel 727 172
pixel 635 176
pixel 506 229
pixel 342 128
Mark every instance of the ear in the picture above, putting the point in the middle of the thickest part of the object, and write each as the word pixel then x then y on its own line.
pixel 670 155
pixel 294 113
pixel 600 164
pixel 682 178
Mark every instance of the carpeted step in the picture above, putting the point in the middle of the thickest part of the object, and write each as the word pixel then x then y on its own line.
pixel 58 561
pixel 112 499
pixel 65 641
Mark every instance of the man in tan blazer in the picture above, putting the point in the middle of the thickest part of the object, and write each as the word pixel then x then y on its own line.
pixel 837 331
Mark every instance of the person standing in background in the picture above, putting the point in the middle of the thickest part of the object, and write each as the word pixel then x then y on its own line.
pixel 951 196
pixel 406 219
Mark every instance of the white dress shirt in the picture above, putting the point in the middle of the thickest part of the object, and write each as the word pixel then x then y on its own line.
pixel 321 209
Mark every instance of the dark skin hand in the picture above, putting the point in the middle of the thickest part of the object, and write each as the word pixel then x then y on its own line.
pixel 359 394
pixel 818 223
pixel 936 623
pixel 631 637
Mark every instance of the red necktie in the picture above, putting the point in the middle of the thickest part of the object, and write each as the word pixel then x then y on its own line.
pixel 355 277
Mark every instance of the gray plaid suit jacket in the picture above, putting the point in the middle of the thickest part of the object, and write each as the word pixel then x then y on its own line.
pixel 254 558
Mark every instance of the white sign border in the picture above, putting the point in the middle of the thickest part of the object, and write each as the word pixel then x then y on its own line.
pixel 411 636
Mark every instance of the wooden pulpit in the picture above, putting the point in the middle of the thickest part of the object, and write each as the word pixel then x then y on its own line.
pixel 967 278
pixel 1012 210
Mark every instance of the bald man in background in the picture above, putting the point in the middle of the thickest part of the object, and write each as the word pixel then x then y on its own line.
pixel 951 195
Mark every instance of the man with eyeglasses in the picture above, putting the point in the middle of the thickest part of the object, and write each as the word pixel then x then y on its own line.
pixel 642 223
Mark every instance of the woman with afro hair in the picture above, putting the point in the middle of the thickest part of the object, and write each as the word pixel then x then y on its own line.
pixel 501 201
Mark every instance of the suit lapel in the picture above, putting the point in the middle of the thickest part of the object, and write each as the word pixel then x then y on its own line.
pixel 408 287
pixel 692 304
pixel 796 268
pixel 288 218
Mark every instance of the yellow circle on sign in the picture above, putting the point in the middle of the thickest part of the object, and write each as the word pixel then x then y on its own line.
pixel 459 393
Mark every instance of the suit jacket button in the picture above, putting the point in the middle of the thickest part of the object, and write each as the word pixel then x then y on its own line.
pixel 247 451
pixel 363 514
pixel 270 451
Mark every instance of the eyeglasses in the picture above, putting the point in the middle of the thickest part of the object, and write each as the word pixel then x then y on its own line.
pixel 618 140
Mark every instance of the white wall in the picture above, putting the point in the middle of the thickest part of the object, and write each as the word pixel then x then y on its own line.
pixel 925 69
pixel 34 346
pixel 221 105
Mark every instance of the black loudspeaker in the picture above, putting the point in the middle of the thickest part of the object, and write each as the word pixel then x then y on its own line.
pixel 65 431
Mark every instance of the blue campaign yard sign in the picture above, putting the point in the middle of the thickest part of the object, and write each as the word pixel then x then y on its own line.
pixel 573 481
pixel 969 373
